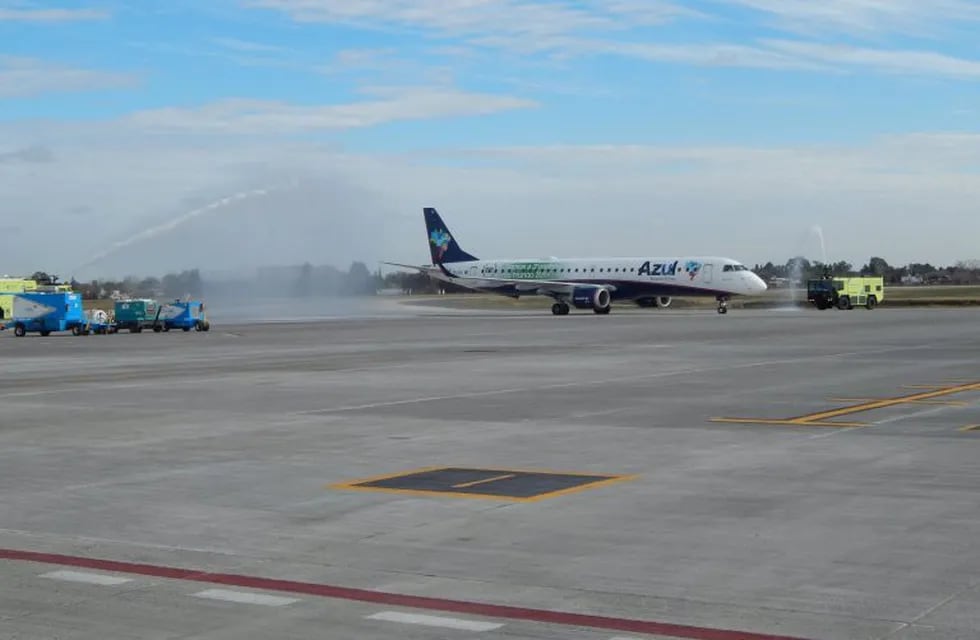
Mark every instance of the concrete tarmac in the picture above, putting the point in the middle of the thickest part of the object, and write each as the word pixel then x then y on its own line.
pixel 198 485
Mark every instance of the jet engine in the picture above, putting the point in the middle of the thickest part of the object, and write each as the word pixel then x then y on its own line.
pixel 596 298
pixel 661 302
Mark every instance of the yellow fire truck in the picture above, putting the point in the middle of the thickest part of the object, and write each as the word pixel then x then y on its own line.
pixel 845 293
pixel 8 287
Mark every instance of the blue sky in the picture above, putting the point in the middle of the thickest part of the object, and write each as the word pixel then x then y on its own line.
pixel 802 113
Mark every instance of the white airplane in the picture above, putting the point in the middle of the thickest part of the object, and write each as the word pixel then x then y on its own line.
pixel 587 283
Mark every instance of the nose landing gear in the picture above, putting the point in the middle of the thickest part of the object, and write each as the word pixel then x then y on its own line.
pixel 722 305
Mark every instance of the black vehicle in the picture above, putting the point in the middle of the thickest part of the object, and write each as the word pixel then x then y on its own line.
pixel 823 293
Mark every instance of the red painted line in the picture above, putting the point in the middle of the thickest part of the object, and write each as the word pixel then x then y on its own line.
pixel 393 599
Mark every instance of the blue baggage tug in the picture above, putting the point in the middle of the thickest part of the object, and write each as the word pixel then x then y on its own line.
pixel 182 314
pixel 46 312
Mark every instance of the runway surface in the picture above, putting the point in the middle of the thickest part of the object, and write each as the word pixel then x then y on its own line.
pixel 765 474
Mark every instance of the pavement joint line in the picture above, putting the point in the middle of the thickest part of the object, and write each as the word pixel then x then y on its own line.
pixel 821 418
pixel 504 612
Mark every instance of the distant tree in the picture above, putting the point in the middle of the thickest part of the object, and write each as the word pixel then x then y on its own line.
pixel 841 268
pixel 875 267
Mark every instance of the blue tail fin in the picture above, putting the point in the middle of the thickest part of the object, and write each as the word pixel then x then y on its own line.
pixel 442 245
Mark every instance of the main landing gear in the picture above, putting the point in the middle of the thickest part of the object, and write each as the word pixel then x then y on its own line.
pixel 722 305
pixel 560 309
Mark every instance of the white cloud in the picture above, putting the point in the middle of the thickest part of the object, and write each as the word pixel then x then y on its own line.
pixel 240 116
pixel 248 46
pixel 886 60
pixel 594 27
pixel 865 17
pixel 528 20
pixel 22 77
pixel 51 15
pixel 456 17
pixel 712 55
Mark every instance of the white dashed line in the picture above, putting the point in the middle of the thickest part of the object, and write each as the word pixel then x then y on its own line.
pixel 86 578
pixel 245 597
pixel 435 621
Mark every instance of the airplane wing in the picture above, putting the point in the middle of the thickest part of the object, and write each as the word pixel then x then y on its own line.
pixel 408 266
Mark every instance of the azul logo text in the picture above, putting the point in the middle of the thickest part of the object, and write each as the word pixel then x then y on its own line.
pixel 657 269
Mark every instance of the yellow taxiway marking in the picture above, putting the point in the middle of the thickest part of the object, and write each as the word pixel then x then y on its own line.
pixel 789 422
pixel 824 418
pixel 944 403
pixel 466 485
pixel 890 402
pixel 971 427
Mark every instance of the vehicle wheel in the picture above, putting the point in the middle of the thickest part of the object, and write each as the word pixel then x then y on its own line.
pixel 157 328
pixel 844 303
pixel 722 310
pixel 556 309
pixel 207 325
pixel 20 331
pixel 186 329
pixel 45 333
pixel 872 302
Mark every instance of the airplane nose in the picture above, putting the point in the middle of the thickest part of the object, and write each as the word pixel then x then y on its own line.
pixel 756 284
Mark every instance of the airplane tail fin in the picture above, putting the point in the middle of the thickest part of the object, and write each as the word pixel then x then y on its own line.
pixel 442 245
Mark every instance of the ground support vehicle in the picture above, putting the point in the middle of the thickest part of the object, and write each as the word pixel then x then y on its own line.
pixel 845 293
pixel 98 322
pixel 47 312
pixel 136 314
pixel 182 314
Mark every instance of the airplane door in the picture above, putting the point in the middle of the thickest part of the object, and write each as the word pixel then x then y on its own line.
pixel 707 273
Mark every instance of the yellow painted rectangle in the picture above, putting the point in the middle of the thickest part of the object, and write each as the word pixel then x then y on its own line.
pixel 594 480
